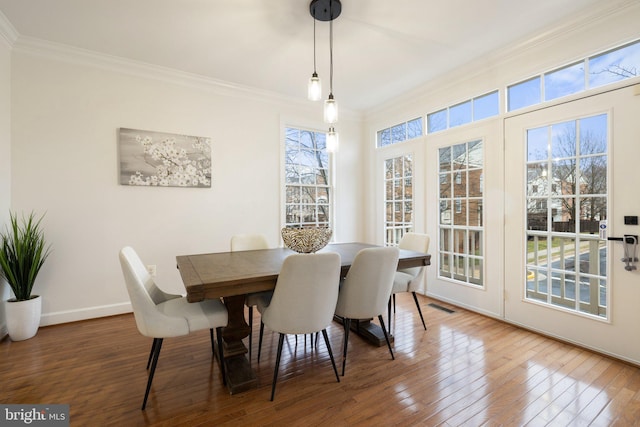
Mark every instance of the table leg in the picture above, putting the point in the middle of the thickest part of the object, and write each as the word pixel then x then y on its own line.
pixel 368 330
pixel 239 375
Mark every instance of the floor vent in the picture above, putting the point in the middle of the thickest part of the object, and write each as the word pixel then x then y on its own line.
pixel 439 307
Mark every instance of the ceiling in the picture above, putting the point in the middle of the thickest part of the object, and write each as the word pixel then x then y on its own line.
pixel 382 48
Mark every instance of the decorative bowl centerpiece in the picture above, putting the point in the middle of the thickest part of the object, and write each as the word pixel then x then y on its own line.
pixel 306 240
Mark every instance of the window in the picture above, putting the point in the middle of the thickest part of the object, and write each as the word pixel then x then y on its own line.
pixel 566 260
pixel 400 132
pixel 398 198
pixel 461 252
pixel 524 94
pixel 465 112
pixel 307 179
pixel 609 67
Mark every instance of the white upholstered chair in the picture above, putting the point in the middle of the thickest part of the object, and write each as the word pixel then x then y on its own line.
pixel 303 301
pixel 410 279
pixel 251 242
pixel 159 315
pixel 365 291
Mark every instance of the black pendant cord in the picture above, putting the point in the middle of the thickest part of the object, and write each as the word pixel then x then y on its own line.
pixel 314 47
pixel 330 52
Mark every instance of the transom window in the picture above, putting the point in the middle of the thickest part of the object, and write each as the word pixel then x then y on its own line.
pixel 598 70
pixel 307 179
pixel 472 110
pixel 400 132
pixel 461 223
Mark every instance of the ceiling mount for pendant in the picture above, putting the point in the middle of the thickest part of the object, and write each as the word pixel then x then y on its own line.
pixel 325 10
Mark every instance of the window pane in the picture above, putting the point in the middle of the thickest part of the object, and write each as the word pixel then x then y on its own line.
pixel 537 184
pixel 459 154
pixel 564 173
pixel 486 106
pixel 475 213
pixel 445 159
pixel 537 144
pixel 563 218
pixel 610 67
pixel 398 133
pixel 460 114
pixel 564 81
pixel 437 121
pixel 537 253
pixel 524 94
pixel 445 212
pixel 475 154
pixel 384 137
pixel 593 175
pixel 563 140
pixel 414 128
pixel 593 138
pixel 460 184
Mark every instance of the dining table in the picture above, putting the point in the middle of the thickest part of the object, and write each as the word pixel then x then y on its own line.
pixel 232 275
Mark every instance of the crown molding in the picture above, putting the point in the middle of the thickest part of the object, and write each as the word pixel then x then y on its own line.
pixel 8 34
pixel 83 57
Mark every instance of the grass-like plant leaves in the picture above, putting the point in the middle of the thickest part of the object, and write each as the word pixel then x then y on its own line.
pixel 22 254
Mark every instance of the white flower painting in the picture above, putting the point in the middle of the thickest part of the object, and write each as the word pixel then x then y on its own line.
pixel 159 159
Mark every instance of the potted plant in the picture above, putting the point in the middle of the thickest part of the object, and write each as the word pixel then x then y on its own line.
pixel 23 250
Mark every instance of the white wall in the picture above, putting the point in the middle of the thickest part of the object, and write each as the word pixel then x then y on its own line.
pixel 66 112
pixel 5 154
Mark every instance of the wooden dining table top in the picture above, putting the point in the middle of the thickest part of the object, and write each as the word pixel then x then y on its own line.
pixel 224 274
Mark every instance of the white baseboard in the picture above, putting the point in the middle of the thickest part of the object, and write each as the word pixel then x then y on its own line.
pixel 84 313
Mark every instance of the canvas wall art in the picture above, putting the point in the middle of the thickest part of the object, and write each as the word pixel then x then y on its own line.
pixel 159 159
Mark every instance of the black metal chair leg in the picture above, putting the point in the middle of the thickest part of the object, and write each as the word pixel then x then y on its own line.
pixel 275 371
pixel 221 355
pixel 153 347
pixel 386 335
pixel 394 303
pixel 333 362
pixel 260 339
pixel 389 314
pixel 415 298
pixel 347 326
pixel 156 354
pixel 213 347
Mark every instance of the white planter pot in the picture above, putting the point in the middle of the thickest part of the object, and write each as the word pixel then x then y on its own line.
pixel 23 318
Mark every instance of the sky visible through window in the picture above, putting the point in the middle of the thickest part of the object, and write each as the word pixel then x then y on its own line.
pixel 599 70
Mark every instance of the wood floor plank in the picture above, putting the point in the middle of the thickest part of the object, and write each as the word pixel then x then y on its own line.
pixel 466 369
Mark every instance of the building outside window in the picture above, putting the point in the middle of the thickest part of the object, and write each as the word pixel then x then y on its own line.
pixel 398 199
pixel 307 179
pixel 461 229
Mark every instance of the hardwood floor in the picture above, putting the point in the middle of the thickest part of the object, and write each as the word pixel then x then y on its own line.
pixel 466 369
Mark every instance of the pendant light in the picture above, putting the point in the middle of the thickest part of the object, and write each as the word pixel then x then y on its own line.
pixel 314 88
pixel 332 140
pixel 326 10
pixel 330 105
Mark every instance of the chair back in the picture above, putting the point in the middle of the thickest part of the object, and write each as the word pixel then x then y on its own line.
pixel 367 287
pixel 248 242
pixel 415 242
pixel 144 293
pixel 305 295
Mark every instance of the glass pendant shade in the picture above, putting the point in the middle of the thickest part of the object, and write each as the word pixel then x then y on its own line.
pixel 314 89
pixel 332 141
pixel 330 110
